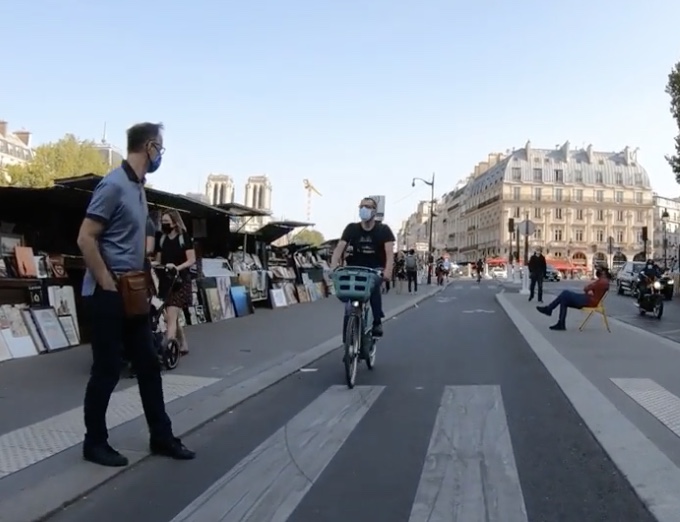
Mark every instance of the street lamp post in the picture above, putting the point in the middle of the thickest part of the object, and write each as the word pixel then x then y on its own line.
pixel 429 243
pixel 664 220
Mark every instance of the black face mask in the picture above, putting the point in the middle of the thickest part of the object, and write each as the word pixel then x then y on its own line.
pixel 166 229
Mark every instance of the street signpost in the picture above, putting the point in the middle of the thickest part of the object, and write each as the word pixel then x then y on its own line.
pixel 526 228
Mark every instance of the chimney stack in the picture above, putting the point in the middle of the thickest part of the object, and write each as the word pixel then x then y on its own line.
pixel 24 137
pixel 3 128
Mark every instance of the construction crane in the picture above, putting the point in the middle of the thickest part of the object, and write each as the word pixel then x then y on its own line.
pixel 310 190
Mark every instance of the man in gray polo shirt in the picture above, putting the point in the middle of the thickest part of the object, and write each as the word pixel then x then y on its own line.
pixel 112 239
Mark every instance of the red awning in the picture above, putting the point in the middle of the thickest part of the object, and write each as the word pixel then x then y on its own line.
pixel 560 264
pixel 496 261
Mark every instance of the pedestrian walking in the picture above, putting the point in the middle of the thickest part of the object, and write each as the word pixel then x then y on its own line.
pixel 537 270
pixel 411 266
pixel 112 239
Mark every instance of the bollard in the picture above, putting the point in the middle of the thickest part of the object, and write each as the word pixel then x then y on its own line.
pixel 525 281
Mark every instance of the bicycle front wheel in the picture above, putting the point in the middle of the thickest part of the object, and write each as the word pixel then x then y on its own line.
pixel 352 347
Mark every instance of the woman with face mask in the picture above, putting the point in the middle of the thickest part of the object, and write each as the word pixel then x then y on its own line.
pixel 175 249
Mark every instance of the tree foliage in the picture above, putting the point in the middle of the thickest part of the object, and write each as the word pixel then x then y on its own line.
pixel 65 158
pixel 673 90
pixel 309 236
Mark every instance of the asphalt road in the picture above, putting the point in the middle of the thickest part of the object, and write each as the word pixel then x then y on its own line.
pixel 623 307
pixel 459 421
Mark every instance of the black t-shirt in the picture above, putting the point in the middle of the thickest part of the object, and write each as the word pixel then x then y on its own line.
pixel 172 250
pixel 367 247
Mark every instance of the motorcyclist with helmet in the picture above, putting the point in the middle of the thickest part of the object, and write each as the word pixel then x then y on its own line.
pixel 650 273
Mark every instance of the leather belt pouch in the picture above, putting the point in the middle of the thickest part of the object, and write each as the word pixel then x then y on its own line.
pixel 135 291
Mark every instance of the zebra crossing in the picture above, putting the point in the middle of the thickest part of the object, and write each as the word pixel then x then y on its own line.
pixel 469 472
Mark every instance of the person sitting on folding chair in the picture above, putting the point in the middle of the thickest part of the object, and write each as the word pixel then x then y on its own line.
pixel 592 295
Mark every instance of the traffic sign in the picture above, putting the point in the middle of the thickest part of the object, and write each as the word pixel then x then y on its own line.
pixel 526 227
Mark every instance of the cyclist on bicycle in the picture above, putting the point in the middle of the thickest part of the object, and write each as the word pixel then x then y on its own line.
pixel 370 245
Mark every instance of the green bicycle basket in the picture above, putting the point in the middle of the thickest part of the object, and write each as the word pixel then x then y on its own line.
pixel 354 283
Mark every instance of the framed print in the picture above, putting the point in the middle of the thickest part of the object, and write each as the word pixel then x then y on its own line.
pixel 8 242
pixel 50 329
pixel 69 326
pixel 33 330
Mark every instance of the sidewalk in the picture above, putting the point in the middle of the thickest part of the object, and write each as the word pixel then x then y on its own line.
pixel 624 385
pixel 40 397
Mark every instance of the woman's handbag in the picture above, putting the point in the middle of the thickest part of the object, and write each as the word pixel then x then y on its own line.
pixel 135 290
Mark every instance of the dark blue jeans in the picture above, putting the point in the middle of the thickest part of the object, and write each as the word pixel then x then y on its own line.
pixel 376 308
pixel 568 299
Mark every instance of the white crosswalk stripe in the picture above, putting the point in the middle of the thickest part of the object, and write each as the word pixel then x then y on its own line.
pixel 469 471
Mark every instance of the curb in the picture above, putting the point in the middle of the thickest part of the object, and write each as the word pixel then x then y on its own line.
pixel 39 502
pixel 650 473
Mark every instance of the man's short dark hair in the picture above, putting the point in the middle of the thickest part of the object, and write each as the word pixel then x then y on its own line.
pixel 138 135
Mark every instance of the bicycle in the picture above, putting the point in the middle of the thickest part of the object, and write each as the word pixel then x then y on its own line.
pixel 353 286
pixel 168 349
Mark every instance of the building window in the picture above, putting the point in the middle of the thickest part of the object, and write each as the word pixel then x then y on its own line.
pixel 538 174
pixel 619 215
pixel 537 213
pixel 638 178
pixel 619 178
pixel 620 236
pixel 578 196
pixel 599 196
pixel 559 176
pixel 517 212
pixel 579 214
pixel 516 193
pixel 600 214
pixel 557 234
pixel 578 234
pixel 640 216
pixel 638 198
pixel 537 194
pixel 558 213
pixel 599 236
pixel 599 178
pixel 578 176
pixel 516 174
pixel 618 195
pixel 558 194
pixel 538 234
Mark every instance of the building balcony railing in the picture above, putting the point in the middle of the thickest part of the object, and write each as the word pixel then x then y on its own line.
pixel 550 198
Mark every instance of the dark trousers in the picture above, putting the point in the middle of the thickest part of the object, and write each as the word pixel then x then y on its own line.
pixel 536 280
pixel 376 308
pixel 568 299
pixel 113 335
pixel 412 277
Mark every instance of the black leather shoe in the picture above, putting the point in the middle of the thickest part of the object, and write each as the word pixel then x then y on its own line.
pixel 172 448
pixel 377 330
pixel 104 455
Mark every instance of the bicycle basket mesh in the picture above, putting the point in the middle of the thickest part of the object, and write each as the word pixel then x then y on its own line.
pixel 353 285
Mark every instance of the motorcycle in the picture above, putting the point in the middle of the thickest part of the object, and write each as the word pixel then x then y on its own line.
pixel 651 299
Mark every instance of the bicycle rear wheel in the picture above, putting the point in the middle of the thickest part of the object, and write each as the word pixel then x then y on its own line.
pixel 352 347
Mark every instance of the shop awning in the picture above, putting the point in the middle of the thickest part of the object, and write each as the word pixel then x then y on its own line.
pixel 30 199
pixel 238 210
pixel 560 264
pixel 155 198
pixel 277 229
pixel 497 261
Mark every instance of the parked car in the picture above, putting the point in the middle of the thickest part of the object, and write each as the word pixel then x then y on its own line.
pixel 551 274
pixel 498 272
pixel 627 277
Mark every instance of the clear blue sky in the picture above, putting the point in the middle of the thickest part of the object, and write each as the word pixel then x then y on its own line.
pixel 357 96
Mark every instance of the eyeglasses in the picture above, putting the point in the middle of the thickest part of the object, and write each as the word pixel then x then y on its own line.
pixel 159 148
